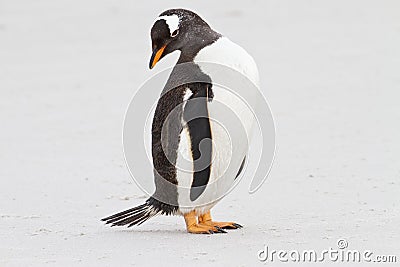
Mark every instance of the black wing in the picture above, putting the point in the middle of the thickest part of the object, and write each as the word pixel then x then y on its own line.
pixel 196 115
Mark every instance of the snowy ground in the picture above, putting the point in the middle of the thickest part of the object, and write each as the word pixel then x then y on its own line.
pixel 330 70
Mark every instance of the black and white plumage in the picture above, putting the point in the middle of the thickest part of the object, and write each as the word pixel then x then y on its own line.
pixel 177 138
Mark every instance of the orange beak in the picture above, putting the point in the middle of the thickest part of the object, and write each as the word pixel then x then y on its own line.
pixel 155 57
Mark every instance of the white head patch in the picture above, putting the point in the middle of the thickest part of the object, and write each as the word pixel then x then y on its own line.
pixel 172 22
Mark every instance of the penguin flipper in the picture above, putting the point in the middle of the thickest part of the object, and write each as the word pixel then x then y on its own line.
pixel 241 168
pixel 196 115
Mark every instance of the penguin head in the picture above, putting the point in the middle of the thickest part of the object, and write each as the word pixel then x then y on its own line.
pixel 177 29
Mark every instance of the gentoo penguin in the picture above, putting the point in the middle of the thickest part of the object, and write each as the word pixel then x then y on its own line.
pixel 183 121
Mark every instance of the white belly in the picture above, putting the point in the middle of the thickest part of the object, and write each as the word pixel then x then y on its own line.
pixel 231 123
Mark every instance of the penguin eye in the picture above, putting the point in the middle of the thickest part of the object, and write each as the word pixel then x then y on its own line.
pixel 174 33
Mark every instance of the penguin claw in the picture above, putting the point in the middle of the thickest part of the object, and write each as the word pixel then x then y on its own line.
pixel 237 225
pixel 217 230
pixel 231 226
pixel 220 230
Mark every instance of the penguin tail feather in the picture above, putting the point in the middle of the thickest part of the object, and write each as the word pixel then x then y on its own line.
pixel 134 216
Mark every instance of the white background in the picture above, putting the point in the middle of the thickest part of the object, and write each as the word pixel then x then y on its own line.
pixel 329 69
